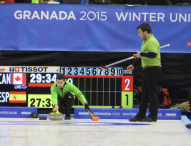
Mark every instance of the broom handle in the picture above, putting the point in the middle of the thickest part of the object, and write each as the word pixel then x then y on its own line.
pixel 58 71
pixel 84 105
pixel 132 57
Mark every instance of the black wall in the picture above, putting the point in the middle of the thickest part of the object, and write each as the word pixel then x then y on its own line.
pixel 176 67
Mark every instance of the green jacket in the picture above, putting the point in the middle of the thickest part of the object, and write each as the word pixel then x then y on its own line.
pixel 151 44
pixel 35 1
pixel 68 87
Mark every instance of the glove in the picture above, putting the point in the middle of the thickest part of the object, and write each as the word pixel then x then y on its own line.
pixel 87 107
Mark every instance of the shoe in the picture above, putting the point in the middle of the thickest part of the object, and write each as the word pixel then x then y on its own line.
pixel 68 118
pixel 148 119
pixel 188 126
pixel 135 119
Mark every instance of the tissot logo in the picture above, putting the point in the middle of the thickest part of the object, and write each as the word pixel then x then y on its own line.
pixel 28 69
pixel 17 69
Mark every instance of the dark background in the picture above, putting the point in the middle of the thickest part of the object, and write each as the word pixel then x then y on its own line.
pixel 138 2
pixel 176 67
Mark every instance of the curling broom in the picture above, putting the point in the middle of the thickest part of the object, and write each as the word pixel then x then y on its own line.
pixel 94 118
pixel 123 60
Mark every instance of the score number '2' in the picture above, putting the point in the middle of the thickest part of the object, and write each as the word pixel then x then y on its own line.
pixel 128 83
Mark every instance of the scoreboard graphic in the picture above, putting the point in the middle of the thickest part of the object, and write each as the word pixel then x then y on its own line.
pixel 102 88
pixel 29 86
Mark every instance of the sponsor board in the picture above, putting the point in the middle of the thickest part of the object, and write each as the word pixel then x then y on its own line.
pixel 30 69
pixel 105 113
pixel 34 69
pixel 17 112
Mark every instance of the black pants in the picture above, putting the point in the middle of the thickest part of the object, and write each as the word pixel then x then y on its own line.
pixel 189 97
pixel 150 78
pixel 67 102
